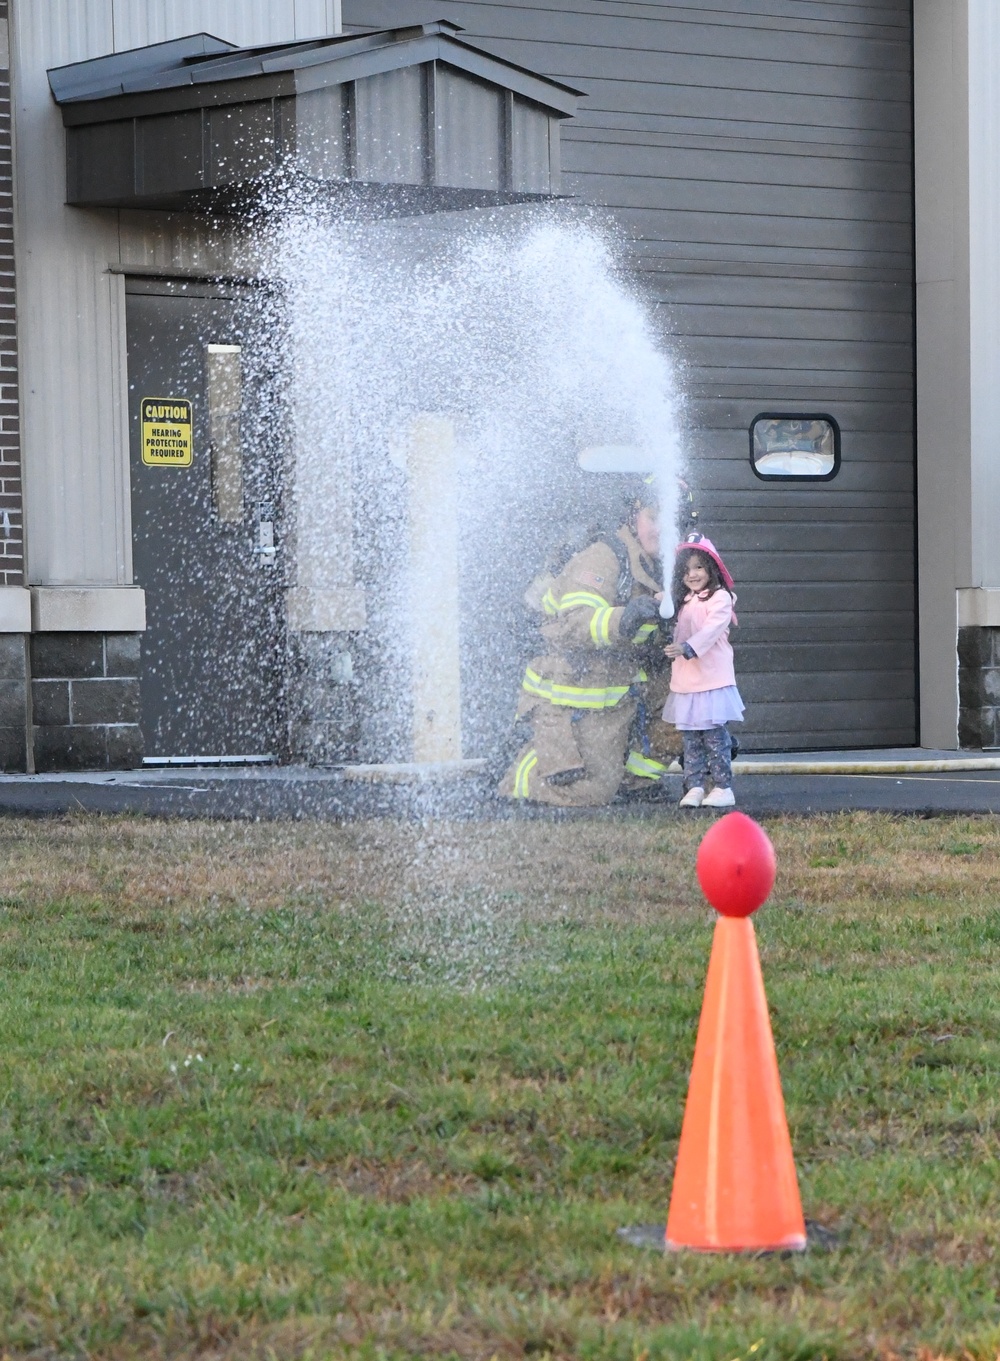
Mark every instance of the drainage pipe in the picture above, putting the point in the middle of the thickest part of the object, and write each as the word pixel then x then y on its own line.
pixel 917 767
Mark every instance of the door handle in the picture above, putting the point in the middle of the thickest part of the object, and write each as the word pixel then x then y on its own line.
pixel 265 547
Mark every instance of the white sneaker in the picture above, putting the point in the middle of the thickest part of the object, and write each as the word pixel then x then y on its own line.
pixel 693 798
pixel 719 798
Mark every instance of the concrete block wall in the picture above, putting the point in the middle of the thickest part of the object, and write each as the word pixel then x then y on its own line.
pixel 324 708
pixel 13 688
pixel 979 687
pixel 85 701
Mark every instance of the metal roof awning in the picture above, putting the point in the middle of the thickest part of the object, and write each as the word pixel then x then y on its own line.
pixel 410 119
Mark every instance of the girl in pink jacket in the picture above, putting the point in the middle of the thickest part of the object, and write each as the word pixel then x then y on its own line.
pixel 703 695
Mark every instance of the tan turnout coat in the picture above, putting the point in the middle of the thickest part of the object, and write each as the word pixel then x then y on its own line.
pixel 581 694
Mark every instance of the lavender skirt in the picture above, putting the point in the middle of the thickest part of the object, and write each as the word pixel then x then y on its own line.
pixel 704 709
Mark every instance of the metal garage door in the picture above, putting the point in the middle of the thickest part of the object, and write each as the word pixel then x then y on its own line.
pixel 760 155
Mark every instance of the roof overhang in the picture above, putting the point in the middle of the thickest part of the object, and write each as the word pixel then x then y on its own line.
pixel 411 119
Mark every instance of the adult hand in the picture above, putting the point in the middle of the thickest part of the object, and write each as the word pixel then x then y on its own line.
pixel 642 610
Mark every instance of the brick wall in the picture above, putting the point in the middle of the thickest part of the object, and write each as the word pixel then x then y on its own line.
pixel 11 520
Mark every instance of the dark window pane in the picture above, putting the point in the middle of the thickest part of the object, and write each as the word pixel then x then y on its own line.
pixel 795 447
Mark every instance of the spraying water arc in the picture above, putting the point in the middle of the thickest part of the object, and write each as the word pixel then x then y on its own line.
pixel 466 389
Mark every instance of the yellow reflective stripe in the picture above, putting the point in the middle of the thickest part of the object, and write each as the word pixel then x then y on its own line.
pixel 572 696
pixel 536 684
pixel 549 603
pixel 646 632
pixel 640 676
pixel 575 599
pixel 525 766
pixel 647 767
pixel 600 625
pixel 577 697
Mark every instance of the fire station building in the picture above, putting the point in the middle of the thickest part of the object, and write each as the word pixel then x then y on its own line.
pixel 810 195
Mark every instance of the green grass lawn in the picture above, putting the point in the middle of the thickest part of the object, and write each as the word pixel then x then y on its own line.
pixel 384 1091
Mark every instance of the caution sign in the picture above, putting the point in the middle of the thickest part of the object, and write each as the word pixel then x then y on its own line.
pixel 166 432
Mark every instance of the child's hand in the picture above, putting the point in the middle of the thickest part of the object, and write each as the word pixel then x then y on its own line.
pixel 673 650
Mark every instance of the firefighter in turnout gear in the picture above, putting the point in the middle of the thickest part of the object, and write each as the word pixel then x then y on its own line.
pixel 592 700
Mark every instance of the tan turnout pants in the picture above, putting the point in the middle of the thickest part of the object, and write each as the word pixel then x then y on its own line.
pixel 597 741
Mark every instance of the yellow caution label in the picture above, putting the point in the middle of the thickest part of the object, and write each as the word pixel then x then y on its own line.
pixel 166 432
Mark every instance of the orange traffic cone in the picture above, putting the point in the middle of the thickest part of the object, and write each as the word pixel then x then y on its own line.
pixel 735 1187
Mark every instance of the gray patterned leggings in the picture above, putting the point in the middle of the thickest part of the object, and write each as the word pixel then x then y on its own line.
pixel 707 753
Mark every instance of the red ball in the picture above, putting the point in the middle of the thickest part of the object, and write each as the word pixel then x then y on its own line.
pixel 736 865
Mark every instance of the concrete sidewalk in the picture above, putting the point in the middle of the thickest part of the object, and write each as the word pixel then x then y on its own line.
pixel 897 781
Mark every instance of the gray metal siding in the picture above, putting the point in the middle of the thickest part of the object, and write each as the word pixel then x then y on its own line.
pixel 384 105
pixel 70 309
pixel 469 118
pixel 760 155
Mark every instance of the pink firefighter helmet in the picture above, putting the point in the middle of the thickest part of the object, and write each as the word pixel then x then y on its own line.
pixel 705 545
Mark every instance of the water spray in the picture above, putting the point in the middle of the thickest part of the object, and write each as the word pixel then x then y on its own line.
pixel 515 329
